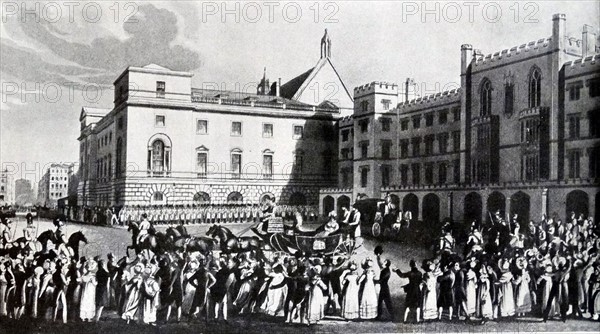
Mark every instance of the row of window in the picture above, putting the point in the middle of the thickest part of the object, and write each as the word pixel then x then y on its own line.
pixel 574 89
pixel 236 128
pixel 58 178
pixel 386 122
pixel 424 173
pixel 56 194
pixel 105 140
pixel 104 167
pixel 52 186
pixel 534 93
pixel 574 129
pixel 574 163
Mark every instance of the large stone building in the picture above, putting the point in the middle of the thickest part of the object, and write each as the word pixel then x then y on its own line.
pixel 520 135
pixel 167 143
pixel 54 184
pixel 7 193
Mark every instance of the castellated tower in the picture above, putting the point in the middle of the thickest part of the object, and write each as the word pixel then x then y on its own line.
pixel 375 97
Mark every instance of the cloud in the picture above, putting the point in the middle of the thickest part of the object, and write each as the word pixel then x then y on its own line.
pixel 150 38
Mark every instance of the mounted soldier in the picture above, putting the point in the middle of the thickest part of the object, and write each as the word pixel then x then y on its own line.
pixel 446 242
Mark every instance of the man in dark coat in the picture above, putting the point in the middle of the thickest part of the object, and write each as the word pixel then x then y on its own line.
pixel 412 289
pixel 384 291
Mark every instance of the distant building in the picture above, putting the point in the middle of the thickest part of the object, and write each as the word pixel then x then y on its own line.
pixel 167 143
pixel 23 192
pixel 521 135
pixel 7 191
pixel 54 184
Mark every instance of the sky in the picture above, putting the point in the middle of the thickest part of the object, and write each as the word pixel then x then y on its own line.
pixel 56 57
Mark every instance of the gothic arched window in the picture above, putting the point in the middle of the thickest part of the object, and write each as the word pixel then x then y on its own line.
pixel 485 98
pixel 535 80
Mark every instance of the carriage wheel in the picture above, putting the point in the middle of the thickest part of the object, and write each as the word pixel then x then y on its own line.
pixel 376 229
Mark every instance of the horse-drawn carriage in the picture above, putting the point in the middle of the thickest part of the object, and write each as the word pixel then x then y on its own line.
pixel 291 241
pixel 375 221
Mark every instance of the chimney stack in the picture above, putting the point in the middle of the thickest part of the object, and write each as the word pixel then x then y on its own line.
pixel 277 88
pixel 588 41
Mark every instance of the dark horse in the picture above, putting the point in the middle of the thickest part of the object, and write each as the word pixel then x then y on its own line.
pixel 44 237
pixel 150 242
pixel 230 243
pixel 195 244
pixel 74 240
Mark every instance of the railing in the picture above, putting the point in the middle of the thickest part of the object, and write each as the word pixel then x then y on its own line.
pixel 261 104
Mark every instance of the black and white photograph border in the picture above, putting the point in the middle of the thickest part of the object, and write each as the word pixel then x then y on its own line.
pixel 299 166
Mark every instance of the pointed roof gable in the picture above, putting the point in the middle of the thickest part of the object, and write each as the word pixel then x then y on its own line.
pixel 91 111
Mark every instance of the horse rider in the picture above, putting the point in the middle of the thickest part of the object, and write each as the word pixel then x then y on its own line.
pixel 447 242
pixel 30 233
pixel 145 227
pixel 61 239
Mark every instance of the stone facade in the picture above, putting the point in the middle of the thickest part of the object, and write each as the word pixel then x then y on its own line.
pixel 518 136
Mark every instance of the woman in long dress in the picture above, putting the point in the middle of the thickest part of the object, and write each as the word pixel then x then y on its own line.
pixel 277 292
pixel 316 301
pixel 133 293
pixel 47 290
pixel 430 310
pixel 506 302
pixel 367 293
pixel 545 284
pixel 150 298
pixel 484 300
pixel 471 289
pixel 87 308
pixel 522 291
pixel 246 285
pixel 350 307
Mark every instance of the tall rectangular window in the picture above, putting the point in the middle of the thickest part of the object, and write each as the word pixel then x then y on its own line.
pixel 364 125
pixel 236 128
pixel 386 147
pixel 443 116
pixel 268 130
pixel 386 124
pixel 456 141
pixel 416 173
pixel 236 164
pixel 404 148
pixel 594 163
pixel 456 170
pixel 364 149
pixel 386 171
pixel 386 104
pixel 456 113
pixel 429 119
pixel 429 140
pixel 267 166
pixel 299 163
pixel 429 173
pixel 201 164
pixel 298 132
pixel 443 142
pixel 574 164
pixel 160 89
pixel 509 100
pixel 594 85
pixel 416 146
pixel 364 177
pixel 574 127
pixel 442 173
pixel 594 123
pixel 416 122
pixel 575 92
pixel 201 126
pixel 404 174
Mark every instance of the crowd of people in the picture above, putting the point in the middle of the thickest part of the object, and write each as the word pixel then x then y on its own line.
pixel 550 270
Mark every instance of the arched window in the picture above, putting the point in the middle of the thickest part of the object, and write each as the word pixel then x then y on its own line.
pixel 110 166
pixel 235 198
pixel 236 162
pixel 201 198
pixel 485 98
pixel 159 155
pixel 535 80
pixel 158 198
